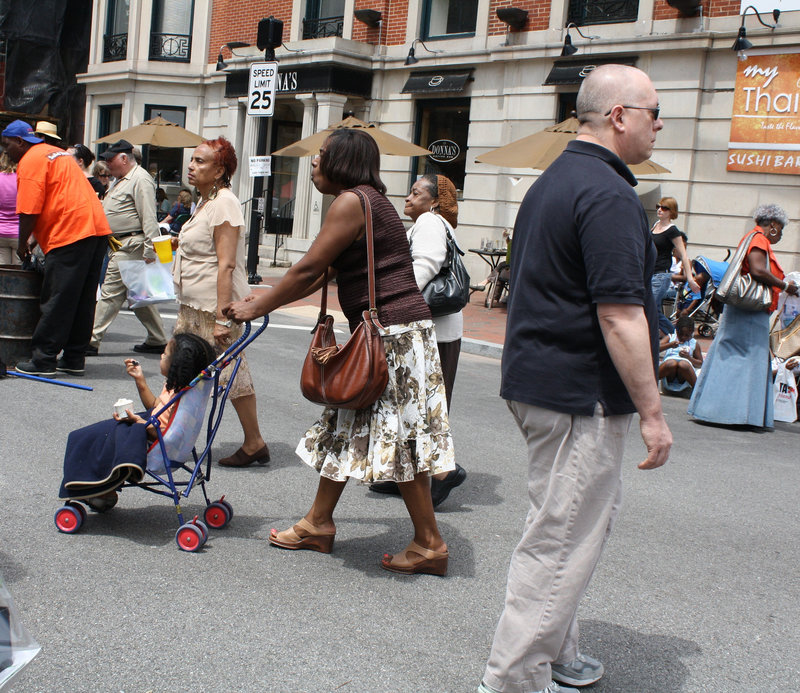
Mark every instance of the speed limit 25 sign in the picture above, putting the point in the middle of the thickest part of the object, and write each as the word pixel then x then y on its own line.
pixel 261 94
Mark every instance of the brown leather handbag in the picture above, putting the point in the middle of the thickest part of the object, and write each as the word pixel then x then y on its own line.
pixel 352 375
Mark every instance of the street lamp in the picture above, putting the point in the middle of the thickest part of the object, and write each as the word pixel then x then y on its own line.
pixel 741 44
pixel 221 64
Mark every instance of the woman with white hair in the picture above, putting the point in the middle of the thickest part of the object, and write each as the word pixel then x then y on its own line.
pixel 735 384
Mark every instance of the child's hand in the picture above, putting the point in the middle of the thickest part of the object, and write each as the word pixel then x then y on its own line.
pixel 791 364
pixel 129 417
pixel 133 368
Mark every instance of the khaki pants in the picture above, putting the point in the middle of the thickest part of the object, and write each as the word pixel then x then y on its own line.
pixel 8 250
pixel 575 490
pixel 113 294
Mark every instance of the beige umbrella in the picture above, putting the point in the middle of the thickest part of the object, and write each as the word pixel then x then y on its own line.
pixel 387 144
pixel 157 132
pixel 542 148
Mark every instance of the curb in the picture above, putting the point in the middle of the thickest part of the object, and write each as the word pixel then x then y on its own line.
pixel 480 347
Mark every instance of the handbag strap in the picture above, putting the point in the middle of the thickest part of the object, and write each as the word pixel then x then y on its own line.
pixel 370 262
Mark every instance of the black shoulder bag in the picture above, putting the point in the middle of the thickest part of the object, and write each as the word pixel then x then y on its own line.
pixel 448 291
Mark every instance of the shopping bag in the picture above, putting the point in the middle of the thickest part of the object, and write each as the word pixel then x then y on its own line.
pixel 148 283
pixel 17 647
pixel 785 393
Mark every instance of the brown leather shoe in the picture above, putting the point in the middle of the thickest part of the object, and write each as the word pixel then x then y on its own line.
pixel 241 459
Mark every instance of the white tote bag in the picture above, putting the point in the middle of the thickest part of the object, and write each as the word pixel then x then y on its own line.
pixel 785 394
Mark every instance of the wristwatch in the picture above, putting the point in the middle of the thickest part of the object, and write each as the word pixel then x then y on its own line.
pixel 224 323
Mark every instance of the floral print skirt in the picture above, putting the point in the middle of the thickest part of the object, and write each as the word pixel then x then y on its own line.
pixel 406 432
pixel 202 323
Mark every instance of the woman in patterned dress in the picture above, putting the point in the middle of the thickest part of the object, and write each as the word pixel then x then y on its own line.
pixel 405 435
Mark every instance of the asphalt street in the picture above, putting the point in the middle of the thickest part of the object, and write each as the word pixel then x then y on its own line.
pixel 697 590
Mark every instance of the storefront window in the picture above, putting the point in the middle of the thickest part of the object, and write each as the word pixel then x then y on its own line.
pixel 109 120
pixel 164 164
pixel 448 18
pixel 282 185
pixel 442 127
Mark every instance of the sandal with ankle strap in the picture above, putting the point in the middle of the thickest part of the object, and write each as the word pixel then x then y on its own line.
pixel 313 541
pixel 416 559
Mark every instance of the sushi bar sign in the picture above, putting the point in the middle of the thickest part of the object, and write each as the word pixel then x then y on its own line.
pixel 765 124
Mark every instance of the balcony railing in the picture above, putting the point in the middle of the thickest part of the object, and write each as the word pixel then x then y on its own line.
pixel 171 47
pixel 322 27
pixel 115 47
pixel 583 12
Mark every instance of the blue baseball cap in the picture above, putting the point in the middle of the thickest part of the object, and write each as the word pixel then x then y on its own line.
pixel 19 128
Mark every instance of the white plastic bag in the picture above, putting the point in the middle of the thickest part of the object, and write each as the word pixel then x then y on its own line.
pixel 785 393
pixel 147 283
pixel 17 647
pixel 789 306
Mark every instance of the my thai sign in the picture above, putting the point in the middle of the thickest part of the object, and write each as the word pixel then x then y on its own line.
pixel 765 124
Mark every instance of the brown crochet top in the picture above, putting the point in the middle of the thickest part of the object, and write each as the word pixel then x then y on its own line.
pixel 398 298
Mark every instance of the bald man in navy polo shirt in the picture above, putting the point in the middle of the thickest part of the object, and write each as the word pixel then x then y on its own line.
pixel 579 358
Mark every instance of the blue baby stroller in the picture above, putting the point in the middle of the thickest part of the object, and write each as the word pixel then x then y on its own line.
pixel 173 467
pixel 703 307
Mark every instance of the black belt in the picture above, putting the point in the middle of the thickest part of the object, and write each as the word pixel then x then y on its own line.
pixel 127 233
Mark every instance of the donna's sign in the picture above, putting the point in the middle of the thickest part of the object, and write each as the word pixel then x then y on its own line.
pixel 444 151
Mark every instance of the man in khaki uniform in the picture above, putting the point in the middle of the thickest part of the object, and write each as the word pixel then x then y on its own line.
pixel 130 208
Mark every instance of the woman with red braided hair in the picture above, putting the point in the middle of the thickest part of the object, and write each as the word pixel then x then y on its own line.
pixel 209 273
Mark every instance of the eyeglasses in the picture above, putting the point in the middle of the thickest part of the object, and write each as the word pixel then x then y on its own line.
pixel 104 175
pixel 654 111
pixel 664 207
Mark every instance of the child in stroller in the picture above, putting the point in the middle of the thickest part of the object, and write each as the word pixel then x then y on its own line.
pixel 681 358
pixel 103 456
pixel 702 306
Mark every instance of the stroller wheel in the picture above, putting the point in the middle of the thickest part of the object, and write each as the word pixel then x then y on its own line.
pixel 80 508
pixel 68 519
pixel 228 506
pixel 203 528
pixel 705 330
pixel 189 537
pixel 217 515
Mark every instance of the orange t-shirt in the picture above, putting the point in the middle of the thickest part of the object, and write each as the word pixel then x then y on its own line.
pixel 51 185
pixel 760 241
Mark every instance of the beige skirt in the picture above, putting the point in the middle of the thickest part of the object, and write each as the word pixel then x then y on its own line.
pixel 405 433
pixel 202 324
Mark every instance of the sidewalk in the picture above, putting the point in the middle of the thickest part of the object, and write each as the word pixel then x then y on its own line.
pixel 484 329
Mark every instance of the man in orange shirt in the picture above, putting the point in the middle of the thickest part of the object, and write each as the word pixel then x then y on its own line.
pixel 57 206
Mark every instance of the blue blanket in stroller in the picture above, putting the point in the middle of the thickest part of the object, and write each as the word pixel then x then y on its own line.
pixel 101 457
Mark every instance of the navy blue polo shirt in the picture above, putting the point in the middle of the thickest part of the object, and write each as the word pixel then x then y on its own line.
pixel 581 238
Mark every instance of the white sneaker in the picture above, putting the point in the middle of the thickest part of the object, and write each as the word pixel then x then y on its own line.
pixel 581 671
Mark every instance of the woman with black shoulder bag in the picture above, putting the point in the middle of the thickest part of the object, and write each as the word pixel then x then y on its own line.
pixel 433 206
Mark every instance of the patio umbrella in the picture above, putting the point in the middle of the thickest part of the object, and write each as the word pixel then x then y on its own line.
pixel 387 144
pixel 542 148
pixel 157 132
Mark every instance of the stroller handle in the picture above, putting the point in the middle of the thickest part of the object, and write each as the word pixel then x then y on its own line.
pixel 234 349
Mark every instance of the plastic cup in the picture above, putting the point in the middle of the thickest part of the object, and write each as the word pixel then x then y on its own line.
pixel 163 248
pixel 121 405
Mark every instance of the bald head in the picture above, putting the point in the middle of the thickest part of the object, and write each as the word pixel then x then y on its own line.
pixel 608 85
pixel 616 109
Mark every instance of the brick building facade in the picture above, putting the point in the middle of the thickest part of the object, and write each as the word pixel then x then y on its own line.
pixel 475 84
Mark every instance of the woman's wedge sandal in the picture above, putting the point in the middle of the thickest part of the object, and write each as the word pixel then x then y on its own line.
pixel 416 559
pixel 314 540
